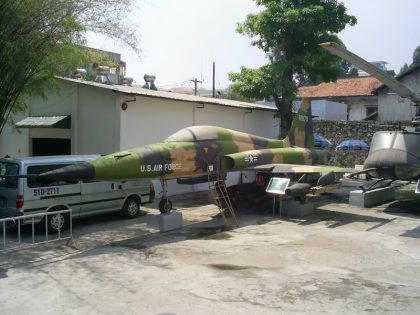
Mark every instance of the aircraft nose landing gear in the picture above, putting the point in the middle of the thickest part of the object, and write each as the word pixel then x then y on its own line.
pixel 165 204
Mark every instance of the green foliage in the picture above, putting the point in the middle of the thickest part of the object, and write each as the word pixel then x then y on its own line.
pixel 231 94
pixel 416 61
pixel 404 68
pixel 347 70
pixel 253 83
pixel 289 32
pixel 416 56
pixel 42 38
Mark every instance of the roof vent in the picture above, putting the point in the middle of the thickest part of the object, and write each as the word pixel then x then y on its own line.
pixel 150 82
pixel 103 72
pixel 126 81
pixel 80 74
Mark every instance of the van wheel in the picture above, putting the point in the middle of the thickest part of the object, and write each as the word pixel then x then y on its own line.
pixel 58 221
pixel 131 208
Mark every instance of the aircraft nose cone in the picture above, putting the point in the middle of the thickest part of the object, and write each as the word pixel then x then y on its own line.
pixel 78 171
pixel 389 157
pixel 393 164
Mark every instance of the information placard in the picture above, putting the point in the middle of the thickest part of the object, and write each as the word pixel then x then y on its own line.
pixel 277 185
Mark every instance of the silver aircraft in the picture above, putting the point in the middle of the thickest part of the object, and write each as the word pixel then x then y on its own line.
pixel 393 155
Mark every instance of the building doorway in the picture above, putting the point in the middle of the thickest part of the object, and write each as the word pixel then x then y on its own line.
pixel 50 146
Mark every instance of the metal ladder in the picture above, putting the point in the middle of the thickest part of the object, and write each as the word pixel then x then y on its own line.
pixel 218 189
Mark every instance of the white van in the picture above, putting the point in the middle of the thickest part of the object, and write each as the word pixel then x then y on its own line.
pixel 22 196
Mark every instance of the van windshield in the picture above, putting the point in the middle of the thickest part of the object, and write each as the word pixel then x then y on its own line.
pixel 7 169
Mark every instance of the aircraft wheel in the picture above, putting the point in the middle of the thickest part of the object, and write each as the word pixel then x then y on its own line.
pixel 165 205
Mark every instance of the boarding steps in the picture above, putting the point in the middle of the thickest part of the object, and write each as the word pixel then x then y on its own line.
pixel 218 189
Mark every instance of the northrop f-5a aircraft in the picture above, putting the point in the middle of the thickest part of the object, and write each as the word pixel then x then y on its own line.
pixel 196 151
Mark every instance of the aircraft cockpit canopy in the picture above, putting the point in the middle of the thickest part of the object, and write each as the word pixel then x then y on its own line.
pixel 195 133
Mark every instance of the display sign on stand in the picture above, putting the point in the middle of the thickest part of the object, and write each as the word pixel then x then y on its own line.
pixel 277 186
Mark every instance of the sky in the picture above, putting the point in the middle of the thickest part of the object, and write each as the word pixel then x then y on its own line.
pixel 180 39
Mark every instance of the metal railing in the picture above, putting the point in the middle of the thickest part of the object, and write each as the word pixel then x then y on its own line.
pixel 16 242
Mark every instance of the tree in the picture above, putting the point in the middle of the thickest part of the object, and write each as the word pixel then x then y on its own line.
pixel 416 56
pixel 404 68
pixel 42 38
pixel 416 61
pixel 346 70
pixel 289 32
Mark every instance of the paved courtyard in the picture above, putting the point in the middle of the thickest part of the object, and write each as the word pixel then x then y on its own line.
pixel 340 260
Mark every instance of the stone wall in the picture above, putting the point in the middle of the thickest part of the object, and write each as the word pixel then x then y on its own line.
pixel 338 131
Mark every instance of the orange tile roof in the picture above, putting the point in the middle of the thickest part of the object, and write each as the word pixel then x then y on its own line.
pixel 346 87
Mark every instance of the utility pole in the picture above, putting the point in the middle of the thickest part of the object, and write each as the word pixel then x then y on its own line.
pixel 214 79
pixel 195 80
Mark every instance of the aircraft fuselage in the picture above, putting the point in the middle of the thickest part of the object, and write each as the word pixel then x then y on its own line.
pixel 395 155
pixel 190 152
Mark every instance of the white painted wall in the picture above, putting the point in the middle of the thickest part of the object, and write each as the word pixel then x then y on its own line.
pixel 227 117
pixel 98 121
pixel 63 102
pixel 262 123
pixel 57 104
pixel 14 142
pixel 358 106
pixel 393 107
pixel 149 120
pixel 328 110
pixel 357 112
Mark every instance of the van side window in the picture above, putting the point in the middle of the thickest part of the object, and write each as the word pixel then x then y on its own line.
pixel 33 182
pixel 6 169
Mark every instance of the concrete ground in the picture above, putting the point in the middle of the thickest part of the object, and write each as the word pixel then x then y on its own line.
pixel 340 260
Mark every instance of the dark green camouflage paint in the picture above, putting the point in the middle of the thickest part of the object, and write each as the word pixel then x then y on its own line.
pixel 192 150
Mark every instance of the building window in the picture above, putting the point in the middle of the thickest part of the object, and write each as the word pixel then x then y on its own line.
pixel 371 110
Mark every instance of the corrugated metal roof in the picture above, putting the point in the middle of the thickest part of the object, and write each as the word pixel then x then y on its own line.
pixel 44 122
pixel 137 90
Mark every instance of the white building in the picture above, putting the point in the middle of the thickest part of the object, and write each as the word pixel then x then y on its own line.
pixel 391 106
pixel 356 93
pixel 325 110
pixel 94 118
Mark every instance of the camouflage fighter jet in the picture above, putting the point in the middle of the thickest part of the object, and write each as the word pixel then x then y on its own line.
pixel 196 151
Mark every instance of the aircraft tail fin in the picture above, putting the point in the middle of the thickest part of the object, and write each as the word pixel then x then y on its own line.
pixel 301 131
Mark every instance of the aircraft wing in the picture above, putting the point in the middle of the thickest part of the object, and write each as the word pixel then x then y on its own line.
pixel 325 183
pixel 364 171
pixel 385 78
pixel 297 168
